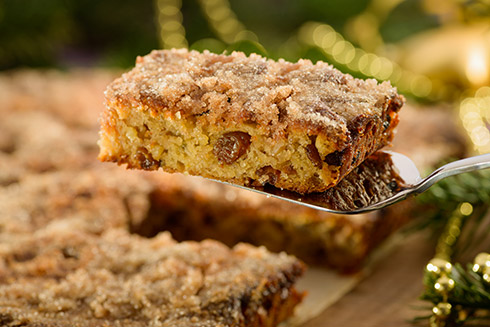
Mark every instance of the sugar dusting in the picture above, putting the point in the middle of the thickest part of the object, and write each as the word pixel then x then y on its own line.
pixel 237 88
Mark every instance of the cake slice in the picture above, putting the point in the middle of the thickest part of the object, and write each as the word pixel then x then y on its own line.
pixel 246 120
pixel 62 277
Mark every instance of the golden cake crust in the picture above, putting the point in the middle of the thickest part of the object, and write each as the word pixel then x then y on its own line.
pixel 230 89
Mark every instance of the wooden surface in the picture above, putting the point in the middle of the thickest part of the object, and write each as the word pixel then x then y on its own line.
pixel 388 294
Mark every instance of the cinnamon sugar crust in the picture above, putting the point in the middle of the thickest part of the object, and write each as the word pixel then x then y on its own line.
pixel 247 120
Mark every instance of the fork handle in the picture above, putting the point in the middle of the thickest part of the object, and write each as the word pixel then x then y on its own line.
pixel 455 168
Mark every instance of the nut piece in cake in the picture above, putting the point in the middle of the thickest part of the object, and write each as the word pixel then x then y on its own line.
pixel 246 120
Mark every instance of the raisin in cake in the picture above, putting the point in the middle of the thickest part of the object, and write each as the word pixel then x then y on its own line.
pixel 246 120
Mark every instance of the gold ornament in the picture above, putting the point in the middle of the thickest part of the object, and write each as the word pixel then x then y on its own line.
pixel 433 321
pixel 442 309
pixel 462 313
pixel 436 321
pixel 444 284
pixel 481 262
pixel 486 274
pixel 437 266
pixel 465 66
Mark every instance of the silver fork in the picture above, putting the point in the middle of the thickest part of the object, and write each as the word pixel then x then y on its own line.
pixel 405 168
